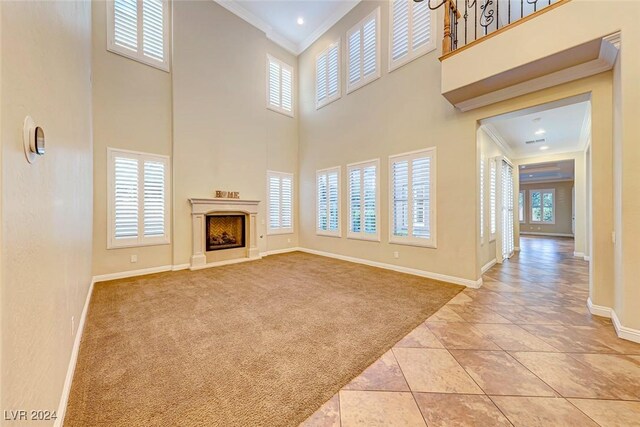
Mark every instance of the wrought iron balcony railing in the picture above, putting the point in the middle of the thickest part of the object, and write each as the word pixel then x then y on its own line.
pixel 467 21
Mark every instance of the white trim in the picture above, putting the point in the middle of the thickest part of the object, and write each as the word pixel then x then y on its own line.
pixel 534 233
pixel 227 262
pixel 587 258
pixel 132 273
pixel 362 235
pixel 139 55
pixel 73 360
pixel 412 53
pixel 598 310
pixel 410 240
pixel 578 254
pixel 363 81
pixel 495 136
pixel 281 251
pixel 624 332
pixel 343 8
pixel 179 267
pixel 488 265
pixel 415 272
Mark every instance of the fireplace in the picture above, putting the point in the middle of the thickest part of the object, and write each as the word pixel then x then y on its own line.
pixel 225 232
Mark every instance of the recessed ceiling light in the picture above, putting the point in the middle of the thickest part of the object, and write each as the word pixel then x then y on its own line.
pixel 540 132
pixel 544 147
pixel 300 20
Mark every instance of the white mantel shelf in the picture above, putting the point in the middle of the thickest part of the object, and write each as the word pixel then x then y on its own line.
pixel 200 208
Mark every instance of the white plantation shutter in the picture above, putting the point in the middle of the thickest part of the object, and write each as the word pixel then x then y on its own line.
pixel 482 198
pixel 153 29
pixel 410 31
pixel 328 75
pixel 279 202
pixel 279 86
pixel 507 210
pixel 363 200
pixel 126 198
pixel 138 192
pixel 493 177
pixel 139 30
pixel 328 202
pixel 154 198
pixel 363 51
pixel 412 190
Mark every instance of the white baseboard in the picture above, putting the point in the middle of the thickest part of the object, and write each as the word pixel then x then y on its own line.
pixel 227 262
pixel 132 273
pixel 280 251
pixel 488 265
pixel 66 389
pixel 598 310
pixel 422 273
pixel 624 332
pixel 587 258
pixel 578 254
pixel 179 267
pixel 535 233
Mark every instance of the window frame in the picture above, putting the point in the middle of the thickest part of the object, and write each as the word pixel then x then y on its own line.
pixel 283 65
pixel 412 54
pixel 280 230
pixel 524 206
pixel 330 233
pixel 361 235
pixel 329 99
pixel 412 240
pixel 493 202
pixel 140 240
pixel 139 55
pixel 363 81
pixel 553 206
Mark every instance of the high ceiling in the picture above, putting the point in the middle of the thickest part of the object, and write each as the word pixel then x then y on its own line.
pixel 547 172
pixel 279 19
pixel 539 131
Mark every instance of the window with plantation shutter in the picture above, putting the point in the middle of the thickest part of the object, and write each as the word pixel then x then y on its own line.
pixel 412 196
pixel 138 209
pixel 363 52
pixel 139 29
pixel 482 162
pixel 328 75
pixel 279 86
pixel 328 202
pixel 410 31
pixel 279 202
pixel 363 185
pixel 493 182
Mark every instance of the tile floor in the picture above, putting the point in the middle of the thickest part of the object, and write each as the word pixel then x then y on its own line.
pixel 523 350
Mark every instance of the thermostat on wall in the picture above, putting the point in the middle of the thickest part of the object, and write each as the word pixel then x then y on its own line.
pixel 33 139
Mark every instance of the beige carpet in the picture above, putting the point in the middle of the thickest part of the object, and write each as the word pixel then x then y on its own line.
pixel 262 343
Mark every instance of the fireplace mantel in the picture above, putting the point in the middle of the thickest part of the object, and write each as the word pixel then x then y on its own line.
pixel 200 208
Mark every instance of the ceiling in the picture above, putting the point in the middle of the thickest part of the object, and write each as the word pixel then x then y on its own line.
pixel 558 128
pixel 278 18
pixel 547 172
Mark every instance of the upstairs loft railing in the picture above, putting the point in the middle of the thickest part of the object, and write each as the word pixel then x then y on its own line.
pixel 468 21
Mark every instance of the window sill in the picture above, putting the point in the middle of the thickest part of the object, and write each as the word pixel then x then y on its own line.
pixel 162 66
pixel 280 111
pixel 322 104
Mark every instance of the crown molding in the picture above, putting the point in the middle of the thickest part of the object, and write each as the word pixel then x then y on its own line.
pixel 235 7
pixel 498 140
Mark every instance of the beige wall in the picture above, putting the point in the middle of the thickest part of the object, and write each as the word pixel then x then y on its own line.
pixel 563 208
pixel 46 206
pixel 131 110
pixel 224 137
pixel 404 111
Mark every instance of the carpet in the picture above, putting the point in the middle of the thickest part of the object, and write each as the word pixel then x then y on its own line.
pixel 262 343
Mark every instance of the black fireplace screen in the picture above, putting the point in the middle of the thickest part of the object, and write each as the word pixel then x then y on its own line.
pixel 225 232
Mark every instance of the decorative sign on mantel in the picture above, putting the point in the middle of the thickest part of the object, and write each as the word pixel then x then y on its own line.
pixel 227 194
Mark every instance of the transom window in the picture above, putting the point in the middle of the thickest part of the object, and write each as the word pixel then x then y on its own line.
pixel 363 51
pixel 328 75
pixel 363 200
pixel 138 211
pixel 410 33
pixel 279 202
pixel 328 202
pixel 412 215
pixel 139 29
pixel 543 206
pixel 279 86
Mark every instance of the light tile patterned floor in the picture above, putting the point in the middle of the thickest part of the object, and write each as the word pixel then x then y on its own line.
pixel 523 350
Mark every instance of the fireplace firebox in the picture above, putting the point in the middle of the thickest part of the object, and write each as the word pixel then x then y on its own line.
pixel 225 232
